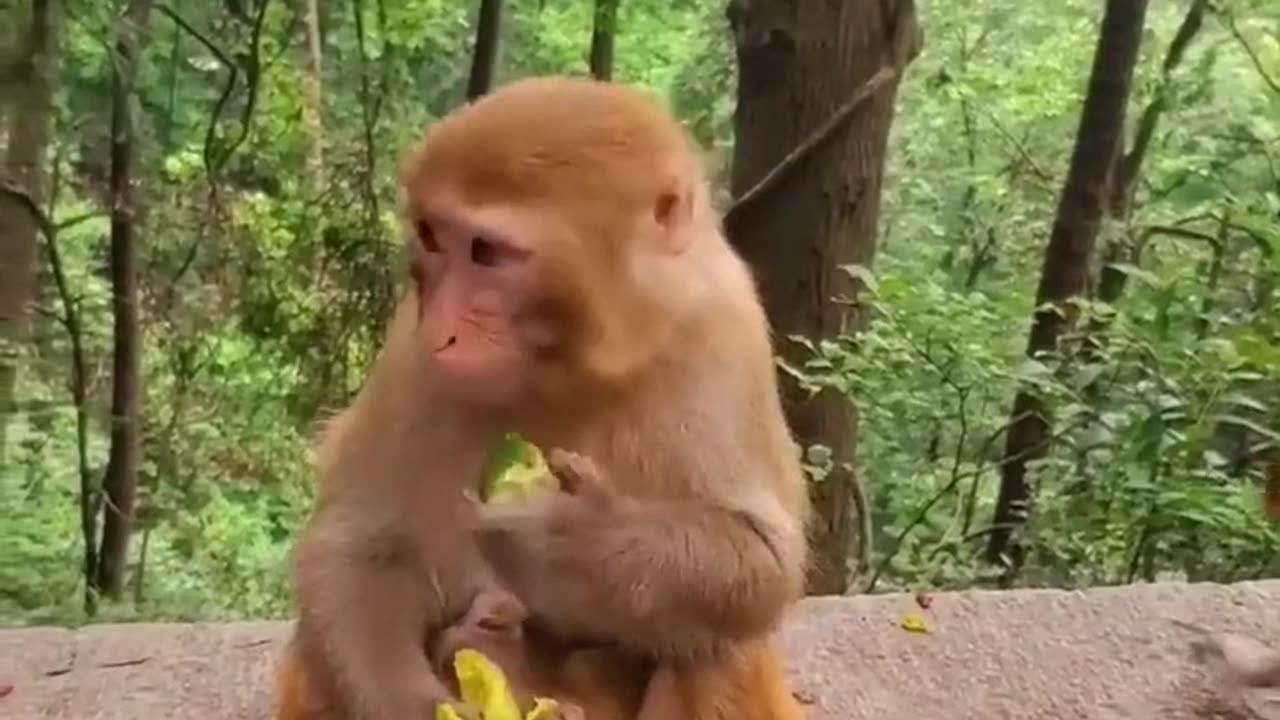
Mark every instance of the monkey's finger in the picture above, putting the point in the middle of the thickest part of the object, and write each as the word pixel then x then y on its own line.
pixel 567 468
pixel 496 610
pixel 471 501
pixel 578 475
pixel 570 711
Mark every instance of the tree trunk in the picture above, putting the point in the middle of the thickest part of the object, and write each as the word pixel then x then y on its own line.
pixel 121 478
pixel 30 116
pixel 795 219
pixel 603 30
pixel 1064 274
pixel 484 57
pixel 313 107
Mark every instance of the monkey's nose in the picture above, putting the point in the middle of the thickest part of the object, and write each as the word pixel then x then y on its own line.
pixel 453 339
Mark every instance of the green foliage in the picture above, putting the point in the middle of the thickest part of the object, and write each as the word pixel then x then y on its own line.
pixel 1152 473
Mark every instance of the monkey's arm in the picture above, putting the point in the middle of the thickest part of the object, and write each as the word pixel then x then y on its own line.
pixel 364 611
pixel 676 578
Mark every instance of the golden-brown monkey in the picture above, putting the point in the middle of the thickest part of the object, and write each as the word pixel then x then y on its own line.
pixel 573 284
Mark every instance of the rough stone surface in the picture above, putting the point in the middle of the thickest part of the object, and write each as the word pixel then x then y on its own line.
pixel 1107 653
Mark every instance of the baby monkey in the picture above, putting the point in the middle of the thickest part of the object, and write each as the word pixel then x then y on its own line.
pixel 578 676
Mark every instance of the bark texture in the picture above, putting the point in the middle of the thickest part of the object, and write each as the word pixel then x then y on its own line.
pixel 484 58
pixel 313 108
pixel 603 30
pixel 120 481
pixel 799 64
pixel 29 116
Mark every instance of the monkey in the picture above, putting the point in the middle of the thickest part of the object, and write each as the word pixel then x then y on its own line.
pixel 580 677
pixel 571 282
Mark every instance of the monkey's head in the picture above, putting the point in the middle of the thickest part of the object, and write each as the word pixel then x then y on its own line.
pixel 560 232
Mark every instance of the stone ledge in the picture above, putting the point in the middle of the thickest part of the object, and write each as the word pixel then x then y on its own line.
pixel 1107 653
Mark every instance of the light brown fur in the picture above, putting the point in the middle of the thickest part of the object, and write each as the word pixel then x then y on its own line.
pixel 747 683
pixel 630 334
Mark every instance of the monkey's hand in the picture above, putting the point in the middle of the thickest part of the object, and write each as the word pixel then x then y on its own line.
pixel 675 577
pixel 581 494
pixel 580 479
pixel 364 609
pixel 518 537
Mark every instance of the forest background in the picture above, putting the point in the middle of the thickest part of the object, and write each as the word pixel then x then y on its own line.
pixel 1024 267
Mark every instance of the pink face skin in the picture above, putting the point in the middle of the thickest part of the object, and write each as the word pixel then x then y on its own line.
pixel 472 282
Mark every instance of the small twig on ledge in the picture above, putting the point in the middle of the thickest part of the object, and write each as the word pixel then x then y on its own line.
pixel 254 643
pixel 64 669
pixel 125 663
pixel 810 143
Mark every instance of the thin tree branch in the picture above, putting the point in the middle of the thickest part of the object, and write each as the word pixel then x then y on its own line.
pixel 1230 22
pixel 1131 162
pixel 806 147
pixel 252 73
pixel 89 493
pixel 193 32
pixel 370 107
pixel 76 220
pixel 233 75
pixel 1020 146
pixel 1149 231
pixel 32 207
pixel 215 159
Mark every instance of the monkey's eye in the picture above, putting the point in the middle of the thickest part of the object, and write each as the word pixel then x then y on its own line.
pixel 485 252
pixel 427 237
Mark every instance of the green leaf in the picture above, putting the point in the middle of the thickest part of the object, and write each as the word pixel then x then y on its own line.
pixel 1244 401
pixel 862 273
pixel 1133 271
pixel 1251 425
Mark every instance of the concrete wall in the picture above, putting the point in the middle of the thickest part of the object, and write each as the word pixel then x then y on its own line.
pixel 1107 653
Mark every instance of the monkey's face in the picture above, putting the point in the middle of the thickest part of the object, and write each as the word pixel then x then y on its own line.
pixel 474 276
pixel 551 223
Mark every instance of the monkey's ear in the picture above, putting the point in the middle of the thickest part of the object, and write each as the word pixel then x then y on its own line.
pixel 673 212
pixel 408 168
